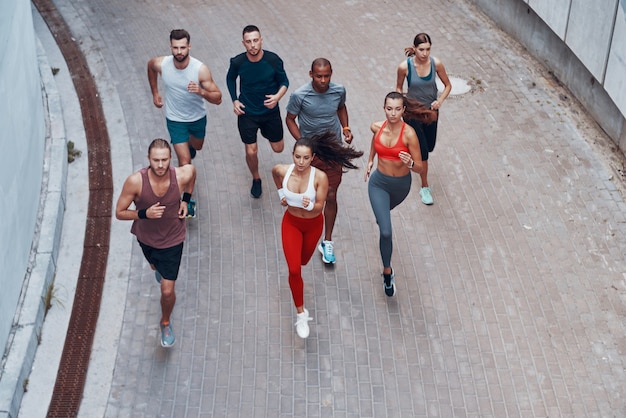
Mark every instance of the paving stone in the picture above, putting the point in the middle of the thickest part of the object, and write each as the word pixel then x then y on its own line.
pixel 510 288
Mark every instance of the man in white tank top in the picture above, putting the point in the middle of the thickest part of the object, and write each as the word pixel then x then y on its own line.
pixel 187 82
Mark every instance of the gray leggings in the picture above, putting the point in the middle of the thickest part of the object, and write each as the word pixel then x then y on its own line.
pixel 386 192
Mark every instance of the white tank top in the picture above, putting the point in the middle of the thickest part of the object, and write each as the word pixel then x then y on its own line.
pixel 295 199
pixel 180 105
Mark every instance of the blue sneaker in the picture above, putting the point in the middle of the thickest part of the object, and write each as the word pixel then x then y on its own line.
pixel 388 284
pixel 167 336
pixel 157 276
pixel 427 198
pixel 191 209
pixel 328 253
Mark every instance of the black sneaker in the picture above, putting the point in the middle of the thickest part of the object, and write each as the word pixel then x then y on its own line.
pixel 388 284
pixel 192 152
pixel 256 190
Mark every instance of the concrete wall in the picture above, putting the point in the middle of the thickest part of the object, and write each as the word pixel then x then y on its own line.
pixel 583 42
pixel 23 142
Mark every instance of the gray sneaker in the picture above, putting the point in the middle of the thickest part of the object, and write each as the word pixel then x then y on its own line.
pixel 167 336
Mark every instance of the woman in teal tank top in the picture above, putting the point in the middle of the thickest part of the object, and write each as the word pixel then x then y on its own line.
pixel 419 69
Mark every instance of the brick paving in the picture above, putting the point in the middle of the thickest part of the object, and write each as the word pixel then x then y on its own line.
pixel 511 289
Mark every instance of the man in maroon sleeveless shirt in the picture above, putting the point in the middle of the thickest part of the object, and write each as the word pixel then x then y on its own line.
pixel 158 219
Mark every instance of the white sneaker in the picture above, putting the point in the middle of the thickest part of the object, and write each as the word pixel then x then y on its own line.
pixel 302 324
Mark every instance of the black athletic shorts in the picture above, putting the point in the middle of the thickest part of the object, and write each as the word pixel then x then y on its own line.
pixel 166 260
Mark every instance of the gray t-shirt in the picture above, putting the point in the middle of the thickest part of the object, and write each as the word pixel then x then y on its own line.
pixel 317 112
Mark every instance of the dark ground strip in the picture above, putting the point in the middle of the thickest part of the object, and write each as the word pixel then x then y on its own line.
pixel 70 381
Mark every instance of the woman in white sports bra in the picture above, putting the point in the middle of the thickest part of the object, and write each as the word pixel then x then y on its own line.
pixel 302 189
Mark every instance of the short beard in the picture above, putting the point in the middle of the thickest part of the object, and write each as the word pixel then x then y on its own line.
pixel 167 169
pixel 180 60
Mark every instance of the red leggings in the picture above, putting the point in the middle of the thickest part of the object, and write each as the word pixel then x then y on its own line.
pixel 300 238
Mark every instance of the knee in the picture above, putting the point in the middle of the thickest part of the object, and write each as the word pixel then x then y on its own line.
pixel 251 151
pixel 385 234
pixel 295 271
pixel 167 292
pixel 278 146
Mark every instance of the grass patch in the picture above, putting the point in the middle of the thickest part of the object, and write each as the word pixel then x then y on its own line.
pixel 72 152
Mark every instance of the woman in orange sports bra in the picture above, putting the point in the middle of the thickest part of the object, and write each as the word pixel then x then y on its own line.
pixel 398 151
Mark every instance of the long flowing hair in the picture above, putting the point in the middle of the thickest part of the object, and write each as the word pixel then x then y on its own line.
pixel 329 148
pixel 413 108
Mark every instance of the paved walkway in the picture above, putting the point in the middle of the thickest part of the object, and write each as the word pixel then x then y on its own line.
pixel 511 288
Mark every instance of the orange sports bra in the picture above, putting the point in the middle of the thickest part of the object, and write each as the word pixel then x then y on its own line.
pixel 393 152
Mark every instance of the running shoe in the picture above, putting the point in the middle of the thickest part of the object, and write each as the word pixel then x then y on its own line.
pixel 167 336
pixel 302 324
pixel 157 276
pixel 427 198
pixel 192 152
pixel 328 252
pixel 191 209
pixel 256 190
pixel 388 284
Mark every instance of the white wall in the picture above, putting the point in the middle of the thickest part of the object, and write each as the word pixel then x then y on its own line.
pixel 22 140
pixel 589 33
pixel 596 34
pixel 583 42
pixel 554 13
pixel 615 79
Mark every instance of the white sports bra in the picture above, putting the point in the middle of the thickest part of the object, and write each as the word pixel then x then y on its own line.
pixel 295 199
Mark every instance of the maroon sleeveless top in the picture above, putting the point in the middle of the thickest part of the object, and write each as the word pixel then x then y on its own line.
pixel 164 232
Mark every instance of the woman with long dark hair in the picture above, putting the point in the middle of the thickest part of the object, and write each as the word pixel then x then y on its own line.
pixel 398 150
pixel 302 190
pixel 420 70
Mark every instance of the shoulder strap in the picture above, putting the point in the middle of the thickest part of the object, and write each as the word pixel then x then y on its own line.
pixel 311 179
pixel 287 174
pixel 408 71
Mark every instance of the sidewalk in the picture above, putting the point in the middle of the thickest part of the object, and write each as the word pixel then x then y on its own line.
pixel 42 379
pixel 511 291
